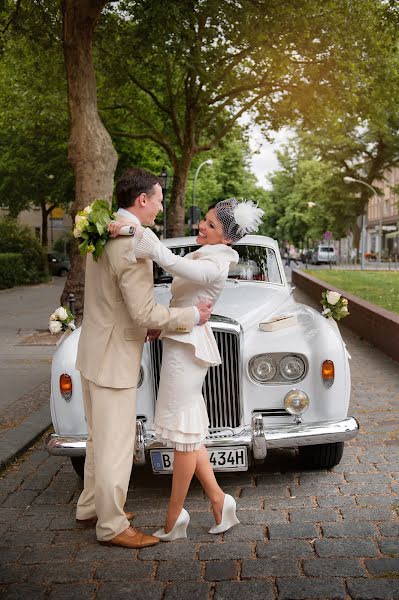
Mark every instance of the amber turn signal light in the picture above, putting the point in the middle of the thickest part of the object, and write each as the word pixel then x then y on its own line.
pixel 327 373
pixel 66 386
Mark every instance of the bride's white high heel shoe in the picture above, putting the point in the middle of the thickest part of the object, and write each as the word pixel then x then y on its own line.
pixel 179 528
pixel 229 517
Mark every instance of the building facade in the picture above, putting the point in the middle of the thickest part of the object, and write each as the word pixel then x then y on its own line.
pixel 382 232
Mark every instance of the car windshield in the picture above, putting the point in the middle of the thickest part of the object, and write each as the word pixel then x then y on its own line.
pixel 256 263
pixel 326 249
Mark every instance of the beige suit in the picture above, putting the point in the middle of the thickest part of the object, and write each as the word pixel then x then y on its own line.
pixel 119 307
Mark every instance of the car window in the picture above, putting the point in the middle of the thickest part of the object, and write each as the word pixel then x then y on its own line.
pixel 256 263
pixel 326 249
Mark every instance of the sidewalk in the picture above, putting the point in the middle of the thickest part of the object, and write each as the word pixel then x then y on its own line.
pixel 25 364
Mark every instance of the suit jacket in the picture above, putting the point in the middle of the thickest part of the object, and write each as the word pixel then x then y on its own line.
pixel 119 307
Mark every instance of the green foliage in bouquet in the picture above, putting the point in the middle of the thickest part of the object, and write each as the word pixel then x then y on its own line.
pixel 91 227
pixel 334 305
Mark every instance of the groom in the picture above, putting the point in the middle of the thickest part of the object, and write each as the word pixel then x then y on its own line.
pixel 119 308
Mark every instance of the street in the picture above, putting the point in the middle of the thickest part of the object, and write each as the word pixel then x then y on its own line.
pixel 303 535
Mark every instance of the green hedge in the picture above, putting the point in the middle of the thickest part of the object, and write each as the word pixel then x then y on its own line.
pixel 18 239
pixel 12 270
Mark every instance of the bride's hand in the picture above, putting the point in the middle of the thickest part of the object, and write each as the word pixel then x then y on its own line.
pixel 114 227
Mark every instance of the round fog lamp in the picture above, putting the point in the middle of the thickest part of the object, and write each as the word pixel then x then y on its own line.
pixel 296 402
pixel 262 368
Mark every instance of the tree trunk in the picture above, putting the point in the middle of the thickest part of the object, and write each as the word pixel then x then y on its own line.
pixel 90 150
pixel 175 225
pixel 44 223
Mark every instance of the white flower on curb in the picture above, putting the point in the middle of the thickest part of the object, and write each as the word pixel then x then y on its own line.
pixel 326 311
pixel 61 313
pixel 332 297
pixel 72 326
pixel 55 326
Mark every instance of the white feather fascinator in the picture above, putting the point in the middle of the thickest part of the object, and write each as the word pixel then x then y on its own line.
pixel 238 218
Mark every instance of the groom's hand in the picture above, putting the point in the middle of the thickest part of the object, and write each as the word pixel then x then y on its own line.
pixel 205 310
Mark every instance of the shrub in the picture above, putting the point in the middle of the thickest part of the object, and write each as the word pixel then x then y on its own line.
pixel 12 270
pixel 16 238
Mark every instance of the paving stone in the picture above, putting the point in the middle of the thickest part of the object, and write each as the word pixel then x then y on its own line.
pixel 273 491
pixel 276 548
pixel 49 554
pixel 318 489
pixel 245 533
pixel 132 570
pixel 174 551
pixel 289 503
pixel 338 530
pixel 8 515
pixel 12 573
pixel 61 572
pixel 345 547
pixel 373 589
pixel 186 589
pixel 27 522
pixel 293 531
pixel 226 550
pixel 313 515
pixel 122 591
pixel 365 479
pixel 7 486
pixel 82 591
pixel 353 489
pixel 182 570
pixel 389 529
pixel 376 501
pixel 99 552
pixel 47 497
pixel 302 588
pixel 239 590
pixel 261 517
pixel 274 479
pixel 269 567
pixel 336 501
pixel 9 555
pixel 17 591
pixel 383 566
pixel 219 570
pixel 341 567
pixel 19 538
pixel 389 546
pixel 20 499
pixel 368 514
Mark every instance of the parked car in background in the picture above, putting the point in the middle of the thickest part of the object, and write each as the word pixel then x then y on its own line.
pixel 284 380
pixel 58 264
pixel 323 254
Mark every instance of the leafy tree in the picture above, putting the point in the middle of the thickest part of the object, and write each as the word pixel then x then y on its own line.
pixel 197 67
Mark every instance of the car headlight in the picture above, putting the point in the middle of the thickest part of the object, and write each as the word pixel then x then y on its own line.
pixel 296 402
pixel 292 367
pixel 262 368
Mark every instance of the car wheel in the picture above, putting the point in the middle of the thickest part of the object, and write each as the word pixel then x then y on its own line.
pixel 78 463
pixel 321 456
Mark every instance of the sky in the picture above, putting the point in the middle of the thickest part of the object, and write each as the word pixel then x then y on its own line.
pixel 265 162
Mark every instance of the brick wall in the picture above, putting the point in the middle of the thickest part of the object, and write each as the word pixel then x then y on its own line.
pixel 375 324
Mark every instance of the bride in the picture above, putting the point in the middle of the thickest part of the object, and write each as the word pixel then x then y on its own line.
pixel 181 420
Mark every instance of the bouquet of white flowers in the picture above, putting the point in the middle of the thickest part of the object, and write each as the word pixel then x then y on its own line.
pixel 91 228
pixel 334 305
pixel 61 320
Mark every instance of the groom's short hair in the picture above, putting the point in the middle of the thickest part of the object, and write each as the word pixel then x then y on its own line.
pixel 134 181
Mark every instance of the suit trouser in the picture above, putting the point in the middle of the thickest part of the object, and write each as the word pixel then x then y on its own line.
pixel 111 427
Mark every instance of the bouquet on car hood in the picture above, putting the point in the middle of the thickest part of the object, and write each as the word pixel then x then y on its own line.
pixel 61 320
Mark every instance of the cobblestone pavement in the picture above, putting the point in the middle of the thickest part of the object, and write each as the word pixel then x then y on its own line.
pixel 303 535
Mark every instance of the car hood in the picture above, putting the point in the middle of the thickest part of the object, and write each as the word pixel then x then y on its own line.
pixel 251 303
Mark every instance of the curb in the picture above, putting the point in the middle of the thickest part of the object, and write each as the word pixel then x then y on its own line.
pixel 373 323
pixel 15 441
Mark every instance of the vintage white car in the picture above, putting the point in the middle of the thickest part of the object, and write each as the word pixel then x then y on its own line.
pixel 284 380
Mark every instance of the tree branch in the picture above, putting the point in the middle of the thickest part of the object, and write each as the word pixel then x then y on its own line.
pixel 13 16
pixel 150 136
pixel 147 91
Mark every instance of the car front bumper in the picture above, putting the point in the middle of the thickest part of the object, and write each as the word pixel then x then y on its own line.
pixel 256 437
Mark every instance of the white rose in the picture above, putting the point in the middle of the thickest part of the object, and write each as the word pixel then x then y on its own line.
pixel 53 317
pixel 87 209
pixel 326 311
pixel 332 297
pixel 344 310
pixel 61 313
pixel 76 232
pixel 81 223
pixel 55 327
pixel 344 301
pixel 72 326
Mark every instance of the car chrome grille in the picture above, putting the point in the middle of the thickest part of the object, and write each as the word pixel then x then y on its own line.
pixel 221 389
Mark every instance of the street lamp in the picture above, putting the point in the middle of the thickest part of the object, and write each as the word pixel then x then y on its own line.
pixel 348 179
pixel 164 177
pixel 206 162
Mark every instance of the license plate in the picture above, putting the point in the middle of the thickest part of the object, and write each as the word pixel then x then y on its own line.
pixel 221 459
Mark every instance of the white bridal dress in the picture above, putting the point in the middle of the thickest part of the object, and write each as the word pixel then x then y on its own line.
pixel 181 419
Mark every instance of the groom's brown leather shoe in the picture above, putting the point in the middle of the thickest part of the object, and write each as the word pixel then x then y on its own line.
pixel 93 520
pixel 131 538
